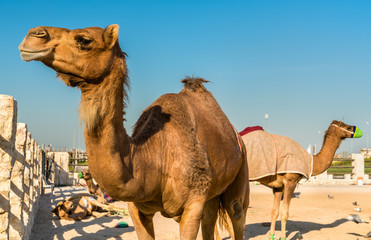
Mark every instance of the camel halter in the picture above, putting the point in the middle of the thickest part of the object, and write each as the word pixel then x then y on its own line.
pixel 357 133
pixel 86 203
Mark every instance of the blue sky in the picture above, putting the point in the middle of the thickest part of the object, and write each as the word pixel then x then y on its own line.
pixel 305 63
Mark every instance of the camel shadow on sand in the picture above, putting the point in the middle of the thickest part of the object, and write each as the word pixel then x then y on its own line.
pixel 108 232
pixel 261 229
pixel 65 191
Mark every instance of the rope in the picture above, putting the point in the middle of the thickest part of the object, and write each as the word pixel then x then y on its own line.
pixel 271 237
pixel 343 129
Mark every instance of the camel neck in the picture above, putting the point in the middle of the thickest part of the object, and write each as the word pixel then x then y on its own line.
pixel 107 143
pixel 322 161
pixel 101 109
pixel 91 186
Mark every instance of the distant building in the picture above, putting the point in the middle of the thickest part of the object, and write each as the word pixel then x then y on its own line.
pixel 366 152
pixel 343 155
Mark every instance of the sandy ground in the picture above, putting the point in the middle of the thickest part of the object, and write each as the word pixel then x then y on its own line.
pixel 313 214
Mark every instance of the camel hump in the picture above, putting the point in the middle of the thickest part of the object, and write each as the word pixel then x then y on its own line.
pixel 194 83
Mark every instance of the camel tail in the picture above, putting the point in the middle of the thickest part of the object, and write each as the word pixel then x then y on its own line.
pixel 223 216
pixel 194 84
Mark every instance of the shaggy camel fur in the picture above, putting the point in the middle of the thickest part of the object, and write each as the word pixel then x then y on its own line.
pixel 284 184
pixel 80 206
pixel 184 158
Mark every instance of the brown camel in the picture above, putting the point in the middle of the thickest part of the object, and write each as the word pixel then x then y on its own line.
pixel 184 158
pixel 280 163
pixel 94 188
pixel 289 164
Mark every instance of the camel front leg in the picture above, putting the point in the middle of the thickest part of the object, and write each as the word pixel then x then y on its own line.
pixel 191 217
pixel 143 224
pixel 287 195
pixel 107 207
pixel 275 211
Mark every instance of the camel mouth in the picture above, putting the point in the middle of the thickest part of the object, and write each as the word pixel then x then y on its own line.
pixel 29 55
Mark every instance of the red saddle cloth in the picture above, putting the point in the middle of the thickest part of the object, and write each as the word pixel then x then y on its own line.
pixel 250 129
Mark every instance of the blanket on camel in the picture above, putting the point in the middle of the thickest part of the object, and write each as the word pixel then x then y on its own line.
pixel 269 154
pixel 250 129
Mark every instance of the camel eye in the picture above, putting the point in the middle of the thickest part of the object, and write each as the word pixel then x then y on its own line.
pixel 83 41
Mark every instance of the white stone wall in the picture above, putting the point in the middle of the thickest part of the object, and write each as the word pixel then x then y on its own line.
pixel 61 171
pixel 358 166
pixel 8 121
pixel 20 174
pixel 17 191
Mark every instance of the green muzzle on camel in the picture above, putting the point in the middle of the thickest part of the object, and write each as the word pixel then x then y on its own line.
pixel 357 133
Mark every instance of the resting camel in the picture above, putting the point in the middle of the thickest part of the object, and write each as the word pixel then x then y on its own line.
pixel 94 188
pixel 80 206
pixel 280 163
pixel 184 158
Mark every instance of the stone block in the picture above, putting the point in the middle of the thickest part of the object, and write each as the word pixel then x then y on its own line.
pixel 358 166
pixel 61 160
pixel 17 191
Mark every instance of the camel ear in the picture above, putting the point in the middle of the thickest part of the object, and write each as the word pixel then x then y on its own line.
pixel 111 34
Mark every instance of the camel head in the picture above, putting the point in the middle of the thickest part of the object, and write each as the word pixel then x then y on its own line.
pixel 63 209
pixel 79 56
pixel 343 130
pixel 86 174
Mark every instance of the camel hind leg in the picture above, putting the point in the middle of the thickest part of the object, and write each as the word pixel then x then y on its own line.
pixel 235 227
pixel 275 209
pixel 235 200
pixel 238 225
pixel 290 185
